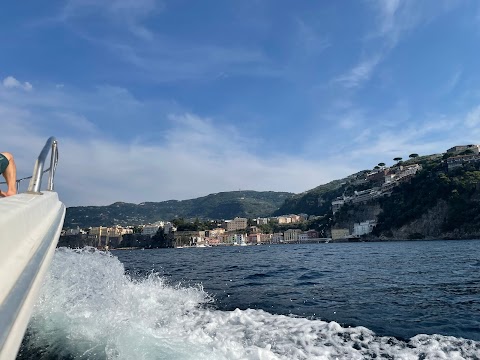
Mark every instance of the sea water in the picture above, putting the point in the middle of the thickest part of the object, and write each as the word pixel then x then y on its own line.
pixel 399 300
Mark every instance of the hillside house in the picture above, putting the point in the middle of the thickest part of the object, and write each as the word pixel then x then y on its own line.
pixel 458 161
pixel 461 148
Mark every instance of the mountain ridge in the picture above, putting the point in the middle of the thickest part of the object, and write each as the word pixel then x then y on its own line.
pixel 221 205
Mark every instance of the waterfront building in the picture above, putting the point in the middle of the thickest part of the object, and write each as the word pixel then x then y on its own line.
pixel 188 238
pixel 212 241
pixel 303 237
pixel 255 238
pixel 169 228
pixel 214 233
pixel 236 239
pixel 291 235
pixel 102 236
pixel 277 238
pixel 71 232
pixel 150 230
pixel 340 234
pixel 363 228
pixel 225 239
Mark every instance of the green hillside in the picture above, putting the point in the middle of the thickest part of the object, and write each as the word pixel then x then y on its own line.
pixel 317 201
pixel 223 205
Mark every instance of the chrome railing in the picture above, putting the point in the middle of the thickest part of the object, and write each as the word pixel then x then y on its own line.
pixel 36 180
pixel 38 171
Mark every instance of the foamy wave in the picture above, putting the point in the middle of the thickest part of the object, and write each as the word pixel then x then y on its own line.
pixel 89 309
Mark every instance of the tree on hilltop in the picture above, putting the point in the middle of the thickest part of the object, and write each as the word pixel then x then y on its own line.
pixel 413 156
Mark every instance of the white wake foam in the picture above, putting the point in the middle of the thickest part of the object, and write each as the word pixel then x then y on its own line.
pixel 89 309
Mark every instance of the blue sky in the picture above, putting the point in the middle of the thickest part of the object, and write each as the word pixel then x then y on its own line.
pixel 157 100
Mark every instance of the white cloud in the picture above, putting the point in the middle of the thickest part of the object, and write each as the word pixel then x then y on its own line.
pixel 361 73
pixel 389 25
pixel 11 83
pixel 190 156
pixel 473 117
pixel 395 19
pixel 193 156
pixel 76 122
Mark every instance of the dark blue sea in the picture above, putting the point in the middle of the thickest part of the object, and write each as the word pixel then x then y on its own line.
pixel 382 300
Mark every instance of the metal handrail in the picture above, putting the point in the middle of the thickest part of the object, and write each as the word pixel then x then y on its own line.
pixel 36 178
pixel 25 178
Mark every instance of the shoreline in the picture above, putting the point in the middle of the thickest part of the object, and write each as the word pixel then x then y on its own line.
pixel 340 241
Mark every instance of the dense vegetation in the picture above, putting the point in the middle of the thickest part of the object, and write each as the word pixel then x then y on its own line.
pixel 223 205
pixel 459 188
pixel 317 201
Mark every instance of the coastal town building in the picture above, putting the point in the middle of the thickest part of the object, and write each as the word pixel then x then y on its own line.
pixel 291 219
pixel 238 239
pixel 169 228
pixel 188 238
pixel 150 230
pixel 303 237
pixel 71 232
pixel 277 238
pixel 214 233
pixel 284 220
pixel 262 221
pixel 363 228
pixel 254 238
pixel 383 181
pixel 337 204
pixel 236 224
pixel 102 236
pixel 291 235
pixel 340 234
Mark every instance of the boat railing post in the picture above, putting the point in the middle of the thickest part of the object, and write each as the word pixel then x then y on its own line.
pixel 53 165
pixel 36 180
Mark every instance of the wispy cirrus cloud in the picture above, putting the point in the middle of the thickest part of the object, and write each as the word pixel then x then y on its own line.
pixel 394 20
pixel 310 40
pixel 361 73
pixel 159 56
pixel 170 61
pixel 123 13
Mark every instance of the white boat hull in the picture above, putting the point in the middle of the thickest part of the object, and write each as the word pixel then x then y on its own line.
pixel 30 227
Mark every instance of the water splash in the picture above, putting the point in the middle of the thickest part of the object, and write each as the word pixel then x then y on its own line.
pixel 89 309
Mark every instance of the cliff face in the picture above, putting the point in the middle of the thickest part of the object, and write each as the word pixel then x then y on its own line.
pixel 358 214
pixel 435 204
pixel 429 225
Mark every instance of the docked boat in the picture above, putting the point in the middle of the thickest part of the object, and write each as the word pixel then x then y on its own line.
pixel 30 225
